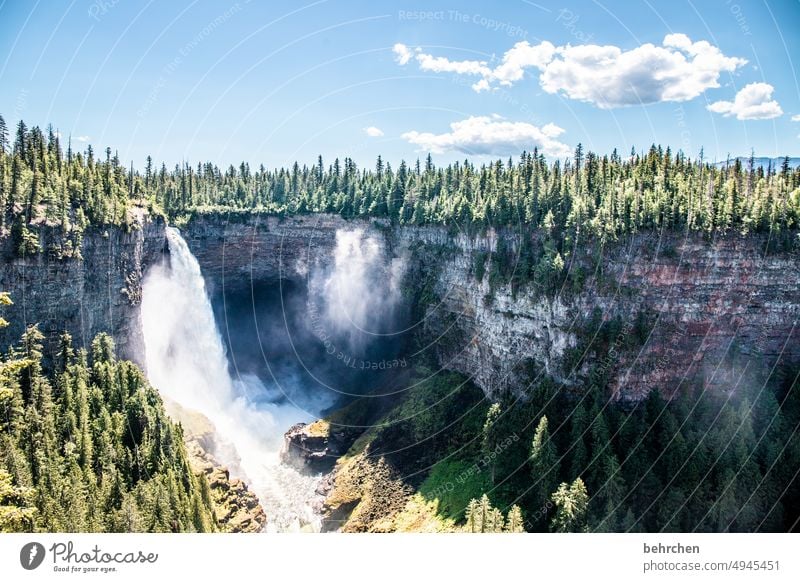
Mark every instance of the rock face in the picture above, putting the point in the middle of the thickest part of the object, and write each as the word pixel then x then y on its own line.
pixel 722 310
pixel 719 312
pixel 711 303
pixel 99 293
pixel 312 448
pixel 489 334
pixel 235 251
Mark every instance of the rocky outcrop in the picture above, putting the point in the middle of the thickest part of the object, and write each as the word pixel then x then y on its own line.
pixel 99 292
pixel 236 507
pixel 305 448
pixel 367 494
pixel 314 448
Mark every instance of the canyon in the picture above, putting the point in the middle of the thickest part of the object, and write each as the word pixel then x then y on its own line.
pixel 703 299
pixel 683 310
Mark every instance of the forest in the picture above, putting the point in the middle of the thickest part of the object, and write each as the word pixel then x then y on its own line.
pixel 89 447
pixel 587 197
pixel 703 461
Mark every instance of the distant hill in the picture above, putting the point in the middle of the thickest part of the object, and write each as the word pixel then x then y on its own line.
pixel 763 162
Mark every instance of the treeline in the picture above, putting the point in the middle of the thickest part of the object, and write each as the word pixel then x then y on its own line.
pixel 90 447
pixel 588 195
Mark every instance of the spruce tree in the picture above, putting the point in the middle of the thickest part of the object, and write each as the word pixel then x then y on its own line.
pixel 571 504
pixel 544 466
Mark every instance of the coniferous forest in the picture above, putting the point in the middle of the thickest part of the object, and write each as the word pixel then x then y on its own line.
pixel 85 444
pixel 588 196
pixel 88 447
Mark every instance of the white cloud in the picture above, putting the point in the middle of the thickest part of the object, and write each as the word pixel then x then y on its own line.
pixel 520 57
pixel 402 54
pixel 512 68
pixel 82 138
pixel 482 85
pixel 443 65
pixel 609 77
pixel 491 135
pixel 796 117
pixel 606 76
pixel 753 101
pixel 373 131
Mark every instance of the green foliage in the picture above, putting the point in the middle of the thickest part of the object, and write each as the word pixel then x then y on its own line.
pixel 25 240
pixel 601 197
pixel 454 483
pixel 514 521
pixel 16 505
pixel 544 464
pixel 479 265
pixel 490 435
pixel 90 448
pixel 481 517
pixel 571 502
pixel 439 413
pixel 701 461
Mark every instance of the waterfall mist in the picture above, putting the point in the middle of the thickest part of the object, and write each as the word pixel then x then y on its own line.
pixel 319 340
pixel 360 292
pixel 187 363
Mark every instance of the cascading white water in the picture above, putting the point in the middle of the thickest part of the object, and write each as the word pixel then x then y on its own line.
pixel 186 362
pixel 360 290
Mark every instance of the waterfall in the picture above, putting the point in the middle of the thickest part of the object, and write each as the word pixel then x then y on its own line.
pixel 361 289
pixel 187 363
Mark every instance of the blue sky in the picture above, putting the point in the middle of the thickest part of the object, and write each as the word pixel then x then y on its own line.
pixel 278 81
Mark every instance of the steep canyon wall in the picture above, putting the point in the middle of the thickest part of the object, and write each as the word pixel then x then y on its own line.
pixel 99 292
pixel 719 311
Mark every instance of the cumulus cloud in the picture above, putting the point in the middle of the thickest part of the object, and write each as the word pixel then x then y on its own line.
pixel 753 101
pixel 373 131
pixel 82 138
pixel 606 76
pixel 402 54
pixel 523 56
pixel 796 117
pixel 491 135
pixel 609 77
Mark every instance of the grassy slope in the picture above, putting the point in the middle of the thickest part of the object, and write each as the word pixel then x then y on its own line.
pixel 410 470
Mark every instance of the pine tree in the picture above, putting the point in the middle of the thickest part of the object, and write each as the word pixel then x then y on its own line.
pixel 474 517
pixel 16 505
pixel 571 503
pixel 490 437
pixel 544 466
pixel 580 456
pixel 514 521
pixel 3 136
